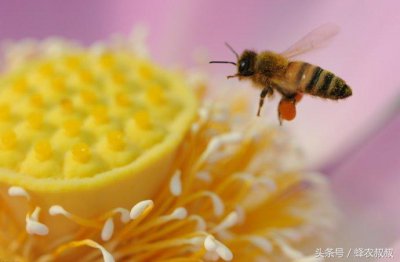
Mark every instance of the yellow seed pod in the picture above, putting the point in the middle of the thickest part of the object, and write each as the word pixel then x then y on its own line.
pixel 105 144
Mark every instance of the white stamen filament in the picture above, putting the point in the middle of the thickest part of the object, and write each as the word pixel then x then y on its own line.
pixel 211 244
pixel 261 243
pixel 58 210
pixel 201 224
pixel 230 220
pixel 106 255
pixel 204 175
pixel 175 185
pixel 179 213
pixel 124 214
pixel 140 208
pixel 108 229
pixel 18 191
pixel 33 226
pixel 217 203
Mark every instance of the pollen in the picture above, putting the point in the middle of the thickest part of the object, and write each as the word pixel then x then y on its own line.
pixel 81 153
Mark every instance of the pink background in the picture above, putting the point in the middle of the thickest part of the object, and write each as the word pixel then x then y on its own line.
pixel 356 141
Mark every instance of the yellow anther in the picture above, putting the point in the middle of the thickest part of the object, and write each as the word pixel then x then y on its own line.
pixel 58 84
pixel 118 78
pixel 81 153
pixel 4 112
pixel 116 140
pixel 36 100
pixel 155 94
pixel 20 85
pixel 88 96
pixel 106 60
pixel 35 120
pixel 72 127
pixel 100 114
pixel 72 62
pixel 43 150
pixel 85 76
pixel 142 119
pixel 46 69
pixel 8 139
pixel 66 105
pixel 122 99
pixel 145 72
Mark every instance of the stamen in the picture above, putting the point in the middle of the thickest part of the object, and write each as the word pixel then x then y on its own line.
pixel 230 220
pixel 124 214
pixel 140 208
pixel 18 191
pixel 204 175
pixel 58 210
pixel 179 213
pixel 211 244
pixel 33 227
pixel 261 243
pixel 201 223
pixel 107 257
pixel 175 185
pixel 107 230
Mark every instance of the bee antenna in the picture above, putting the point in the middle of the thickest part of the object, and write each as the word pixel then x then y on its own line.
pixel 233 50
pixel 222 62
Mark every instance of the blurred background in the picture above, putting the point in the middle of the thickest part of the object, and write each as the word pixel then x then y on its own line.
pixel 355 142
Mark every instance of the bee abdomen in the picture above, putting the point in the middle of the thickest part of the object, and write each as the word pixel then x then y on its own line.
pixel 318 82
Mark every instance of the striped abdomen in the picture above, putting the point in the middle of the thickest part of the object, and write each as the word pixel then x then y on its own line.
pixel 316 81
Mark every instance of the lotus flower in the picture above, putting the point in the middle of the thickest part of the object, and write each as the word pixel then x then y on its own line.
pixel 356 147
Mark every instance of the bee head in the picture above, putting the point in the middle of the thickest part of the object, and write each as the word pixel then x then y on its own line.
pixel 246 63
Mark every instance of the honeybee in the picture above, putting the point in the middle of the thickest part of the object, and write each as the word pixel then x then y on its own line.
pixel 271 71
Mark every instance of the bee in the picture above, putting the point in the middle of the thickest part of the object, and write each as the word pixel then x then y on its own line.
pixel 271 71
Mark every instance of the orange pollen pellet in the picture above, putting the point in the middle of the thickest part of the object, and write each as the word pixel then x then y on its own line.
pixel 72 127
pixel 287 110
pixel 81 153
pixel 116 140
pixel 9 139
pixel 43 150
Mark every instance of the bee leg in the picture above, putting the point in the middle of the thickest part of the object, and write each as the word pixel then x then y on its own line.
pixel 287 109
pixel 263 94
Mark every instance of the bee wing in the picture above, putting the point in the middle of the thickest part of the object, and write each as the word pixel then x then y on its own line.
pixel 317 38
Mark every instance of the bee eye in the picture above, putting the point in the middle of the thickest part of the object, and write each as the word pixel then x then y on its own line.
pixel 242 65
